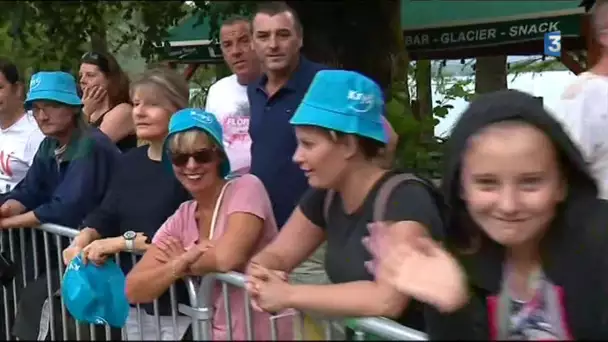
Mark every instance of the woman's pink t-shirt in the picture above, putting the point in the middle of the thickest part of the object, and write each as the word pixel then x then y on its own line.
pixel 245 194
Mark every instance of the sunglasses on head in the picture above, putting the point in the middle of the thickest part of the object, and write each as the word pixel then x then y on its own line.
pixel 96 59
pixel 202 156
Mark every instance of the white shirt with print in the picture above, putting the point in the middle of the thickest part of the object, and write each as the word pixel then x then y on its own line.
pixel 18 145
pixel 584 114
pixel 227 100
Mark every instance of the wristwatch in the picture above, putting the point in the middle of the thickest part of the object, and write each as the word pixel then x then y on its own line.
pixel 129 237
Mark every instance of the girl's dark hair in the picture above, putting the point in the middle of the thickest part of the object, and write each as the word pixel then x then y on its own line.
pixel 118 92
pixel 9 70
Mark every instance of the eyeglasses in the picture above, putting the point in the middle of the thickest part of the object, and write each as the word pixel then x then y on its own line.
pixel 97 59
pixel 202 156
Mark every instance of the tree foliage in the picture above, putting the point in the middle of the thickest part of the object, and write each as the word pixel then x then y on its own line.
pixel 54 34
pixel 418 148
pixel 535 65
pixel 217 11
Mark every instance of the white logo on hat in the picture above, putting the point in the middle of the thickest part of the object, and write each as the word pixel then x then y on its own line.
pixel 99 320
pixel 361 102
pixel 204 118
pixel 34 83
pixel 73 266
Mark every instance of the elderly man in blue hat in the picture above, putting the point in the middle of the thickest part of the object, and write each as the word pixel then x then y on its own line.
pixel 68 178
pixel 71 170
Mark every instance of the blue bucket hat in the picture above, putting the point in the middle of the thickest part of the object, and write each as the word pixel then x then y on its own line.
pixel 95 294
pixel 55 86
pixel 343 101
pixel 194 118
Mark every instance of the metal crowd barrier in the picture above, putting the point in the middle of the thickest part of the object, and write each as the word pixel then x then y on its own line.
pixel 36 257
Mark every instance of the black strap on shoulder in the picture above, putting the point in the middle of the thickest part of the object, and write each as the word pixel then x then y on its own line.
pixel 381 200
pixel 384 193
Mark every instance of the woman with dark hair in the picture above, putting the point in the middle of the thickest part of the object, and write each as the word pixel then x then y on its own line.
pixel 525 251
pixel 19 133
pixel 340 133
pixel 105 98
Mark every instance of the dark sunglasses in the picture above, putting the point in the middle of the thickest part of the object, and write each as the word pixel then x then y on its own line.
pixel 97 59
pixel 203 156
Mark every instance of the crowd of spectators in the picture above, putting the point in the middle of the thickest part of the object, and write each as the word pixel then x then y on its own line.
pixel 286 176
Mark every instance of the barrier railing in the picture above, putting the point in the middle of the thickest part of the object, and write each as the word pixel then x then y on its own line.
pixel 39 267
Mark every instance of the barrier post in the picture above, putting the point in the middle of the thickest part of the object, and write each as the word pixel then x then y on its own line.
pixel 380 328
pixel 200 309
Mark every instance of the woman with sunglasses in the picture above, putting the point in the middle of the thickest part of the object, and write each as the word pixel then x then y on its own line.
pixel 105 95
pixel 218 231
pixel 525 254
pixel 133 209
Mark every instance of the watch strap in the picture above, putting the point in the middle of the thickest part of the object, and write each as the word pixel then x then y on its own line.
pixel 130 244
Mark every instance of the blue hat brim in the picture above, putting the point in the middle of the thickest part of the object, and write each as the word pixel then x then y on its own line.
pixel 48 95
pixel 84 304
pixel 307 115
pixel 224 167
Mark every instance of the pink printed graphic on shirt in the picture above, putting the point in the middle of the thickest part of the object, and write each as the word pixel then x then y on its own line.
pixel 5 166
pixel 236 136
pixel 236 129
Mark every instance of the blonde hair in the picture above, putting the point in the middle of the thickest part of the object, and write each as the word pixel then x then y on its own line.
pixel 171 85
pixel 190 139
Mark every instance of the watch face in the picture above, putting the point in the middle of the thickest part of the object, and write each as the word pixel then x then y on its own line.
pixel 130 235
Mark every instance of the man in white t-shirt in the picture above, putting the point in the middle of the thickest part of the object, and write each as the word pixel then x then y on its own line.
pixel 227 98
pixel 19 132
pixel 584 107
pixel 18 145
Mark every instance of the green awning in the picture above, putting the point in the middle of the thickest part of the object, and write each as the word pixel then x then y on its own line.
pixel 473 25
pixel 190 42
pixel 189 31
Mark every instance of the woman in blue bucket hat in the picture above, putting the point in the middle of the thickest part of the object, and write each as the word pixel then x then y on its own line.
pixel 68 177
pixel 340 133
pixel 227 221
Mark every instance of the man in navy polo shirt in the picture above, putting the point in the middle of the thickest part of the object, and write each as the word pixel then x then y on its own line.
pixel 277 39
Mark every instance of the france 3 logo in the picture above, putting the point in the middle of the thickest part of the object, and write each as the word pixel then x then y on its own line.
pixel 553 44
